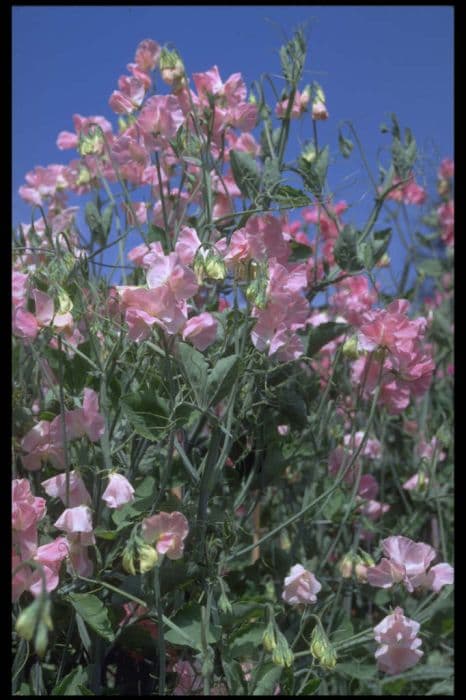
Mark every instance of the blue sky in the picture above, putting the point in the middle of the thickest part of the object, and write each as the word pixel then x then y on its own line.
pixel 371 61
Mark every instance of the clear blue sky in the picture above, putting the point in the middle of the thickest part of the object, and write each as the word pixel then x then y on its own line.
pixel 371 61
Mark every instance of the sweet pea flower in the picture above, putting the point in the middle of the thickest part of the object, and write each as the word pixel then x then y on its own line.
pixel 408 562
pixel 50 556
pixel 168 531
pixel 27 510
pixel 118 492
pixel 201 330
pixel 78 493
pixel 399 648
pixel 301 586
pixel 77 523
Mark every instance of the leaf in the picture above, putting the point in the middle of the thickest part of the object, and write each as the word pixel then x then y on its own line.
pixel 362 672
pixel 234 677
pixel 323 334
pixel 265 679
pixel 69 685
pixel 345 145
pixel 291 197
pixel 196 370
pixel 93 612
pixel 311 686
pixel 83 633
pixel 422 673
pixel 430 268
pixel 315 173
pixel 245 172
pixel 247 641
pixel 147 413
pixel 380 243
pixel 94 222
pixel 271 175
pixel 106 220
pixel 155 233
pixel 346 250
pixel 299 251
pixel 221 378
pixel 188 621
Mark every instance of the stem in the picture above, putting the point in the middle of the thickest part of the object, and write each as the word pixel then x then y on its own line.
pixel 161 638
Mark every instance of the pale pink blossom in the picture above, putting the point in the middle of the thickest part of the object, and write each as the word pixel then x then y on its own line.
pixel 50 556
pixel 118 492
pixel 301 586
pixel 408 562
pixel 319 110
pixel 147 55
pixel 78 493
pixel 168 531
pixel 27 510
pixel 399 648
pixel 77 523
pixel 201 330
pixel 416 481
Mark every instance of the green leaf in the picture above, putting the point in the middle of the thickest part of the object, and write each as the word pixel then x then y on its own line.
pixel 315 173
pixel 291 197
pixel 430 268
pixel 362 672
pixel 311 686
pixel 155 233
pixel 107 216
pixel 94 222
pixel 247 641
pixel 147 413
pixel 346 250
pixel 271 175
pixel 222 378
pixel 265 678
pixel 93 612
pixel 323 334
pixel 188 621
pixel 246 173
pixel 380 243
pixel 69 685
pixel 234 677
pixel 299 251
pixel 422 673
pixel 345 145
pixel 195 368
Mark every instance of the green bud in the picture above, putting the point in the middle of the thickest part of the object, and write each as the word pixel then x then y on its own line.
pixel 128 561
pixel 268 638
pixel 64 302
pixel 282 655
pixel 28 620
pixel 122 124
pixel 147 558
pixel 321 648
pixel 350 348
pixel 34 622
pixel 214 266
pixel 309 153
pixel 91 143
pixel 84 176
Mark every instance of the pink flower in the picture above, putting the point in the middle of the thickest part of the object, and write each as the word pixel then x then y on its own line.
pixel 408 562
pixel 201 330
pixel 189 681
pixel 447 168
pixel 399 648
pixel 416 481
pixel 301 586
pixel 147 55
pixel 187 245
pixel 77 523
pixel 27 510
pixel 168 531
pixel 319 110
pixel 78 493
pixel 160 119
pixel 50 556
pixel 118 492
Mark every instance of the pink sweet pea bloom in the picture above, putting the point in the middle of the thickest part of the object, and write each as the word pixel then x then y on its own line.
pixel 187 245
pixel 78 493
pixel 319 110
pixel 161 117
pixel 50 556
pixel 201 330
pixel 416 481
pixel 147 55
pixel 167 270
pixel 168 531
pixel 77 523
pixel 409 562
pixel 118 492
pixel 86 420
pixel 301 586
pixel 42 443
pixel 399 648
pixel 27 510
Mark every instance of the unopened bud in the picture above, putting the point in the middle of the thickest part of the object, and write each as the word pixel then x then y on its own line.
pixel 172 68
pixel 268 638
pixel 384 261
pixel 350 348
pixel 84 176
pixel 309 153
pixel 34 623
pixel 147 558
pixel 346 565
pixel 321 648
pixel 282 655
pixel 65 304
pixel 128 561
pixel 91 144
pixel 214 266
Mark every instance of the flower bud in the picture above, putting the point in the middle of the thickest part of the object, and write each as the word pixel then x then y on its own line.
pixel 65 304
pixel 214 266
pixel 309 153
pixel 384 261
pixel 346 565
pixel 34 623
pixel 147 556
pixel 172 68
pixel 350 348
pixel 84 176
pixel 321 648
pixel 128 560
pixel 268 638
pixel 91 144
pixel 282 655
